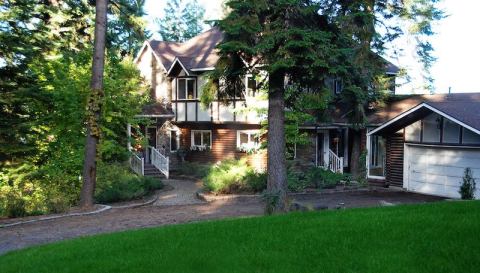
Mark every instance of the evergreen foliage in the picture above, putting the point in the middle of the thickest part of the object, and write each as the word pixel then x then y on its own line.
pixel 304 43
pixel 468 185
pixel 182 20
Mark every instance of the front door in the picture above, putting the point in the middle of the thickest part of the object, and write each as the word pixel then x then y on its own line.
pixel 152 141
pixel 320 149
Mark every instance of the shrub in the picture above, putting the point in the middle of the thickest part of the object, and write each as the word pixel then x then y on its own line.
pixel 468 186
pixel 321 178
pixel 194 169
pixel 233 176
pixel 116 183
pixel 296 181
pixel 22 200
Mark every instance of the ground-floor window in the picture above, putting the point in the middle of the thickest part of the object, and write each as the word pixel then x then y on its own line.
pixel 248 140
pixel 377 156
pixel 174 140
pixel 201 139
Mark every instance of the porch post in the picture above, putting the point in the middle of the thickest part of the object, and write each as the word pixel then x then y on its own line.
pixel 367 160
pixel 316 148
pixel 129 134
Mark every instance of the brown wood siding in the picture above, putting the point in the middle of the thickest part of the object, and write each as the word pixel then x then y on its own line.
pixel 394 159
pixel 224 144
pixel 306 154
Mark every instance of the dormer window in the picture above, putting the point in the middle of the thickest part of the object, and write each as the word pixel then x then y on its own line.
pixel 337 86
pixel 186 88
pixel 251 85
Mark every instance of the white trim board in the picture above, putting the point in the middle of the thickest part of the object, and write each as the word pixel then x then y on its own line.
pixel 181 64
pixel 203 69
pixel 423 105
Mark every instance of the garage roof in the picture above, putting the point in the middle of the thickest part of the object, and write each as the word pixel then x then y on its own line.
pixel 462 108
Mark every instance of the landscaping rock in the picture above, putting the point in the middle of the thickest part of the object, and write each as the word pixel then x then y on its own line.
pixel 299 206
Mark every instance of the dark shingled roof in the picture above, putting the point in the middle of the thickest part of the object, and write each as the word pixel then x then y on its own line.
pixel 464 107
pixel 198 52
pixel 157 109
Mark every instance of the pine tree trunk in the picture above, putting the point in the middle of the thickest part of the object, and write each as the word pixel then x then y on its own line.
pixel 355 160
pixel 277 172
pixel 94 107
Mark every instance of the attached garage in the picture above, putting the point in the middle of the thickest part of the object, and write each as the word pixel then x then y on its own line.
pixel 427 148
pixel 439 170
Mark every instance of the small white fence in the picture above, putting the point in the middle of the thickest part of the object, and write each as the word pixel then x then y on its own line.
pixel 160 161
pixel 335 163
pixel 137 164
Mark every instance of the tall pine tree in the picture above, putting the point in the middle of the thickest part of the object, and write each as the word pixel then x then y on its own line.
pixel 302 43
pixel 192 15
pixel 181 21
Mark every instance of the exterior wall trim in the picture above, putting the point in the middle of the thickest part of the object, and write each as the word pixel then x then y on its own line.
pixel 203 69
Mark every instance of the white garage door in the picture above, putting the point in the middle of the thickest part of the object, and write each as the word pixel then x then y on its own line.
pixel 439 170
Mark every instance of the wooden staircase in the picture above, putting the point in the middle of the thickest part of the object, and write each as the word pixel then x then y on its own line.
pixel 152 171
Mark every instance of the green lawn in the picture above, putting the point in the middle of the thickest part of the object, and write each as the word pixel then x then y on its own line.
pixel 440 237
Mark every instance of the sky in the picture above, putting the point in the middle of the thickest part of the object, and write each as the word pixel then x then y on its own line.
pixel 456 44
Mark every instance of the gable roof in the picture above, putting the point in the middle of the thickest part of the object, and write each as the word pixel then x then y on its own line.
pixel 463 108
pixel 198 53
pixel 156 110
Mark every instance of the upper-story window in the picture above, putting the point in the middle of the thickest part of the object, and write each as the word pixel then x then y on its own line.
pixel 337 86
pixel 334 84
pixel 437 129
pixel 186 88
pixel 251 84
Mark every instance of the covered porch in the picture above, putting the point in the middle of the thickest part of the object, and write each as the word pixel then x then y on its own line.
pixel 329 147
pixel 151 141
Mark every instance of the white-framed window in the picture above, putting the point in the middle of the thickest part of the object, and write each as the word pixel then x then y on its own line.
pixel 174 136
pixel 201 140
pixel 248 140
pixel 186 88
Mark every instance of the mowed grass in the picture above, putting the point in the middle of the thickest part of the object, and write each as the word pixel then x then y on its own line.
pixel 438 237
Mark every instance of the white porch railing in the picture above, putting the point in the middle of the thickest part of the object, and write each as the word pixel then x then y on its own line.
pixel 160 161
pixel 335 163
pixel 137 164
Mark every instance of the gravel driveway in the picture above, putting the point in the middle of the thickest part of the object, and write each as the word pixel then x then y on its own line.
pixel 180 206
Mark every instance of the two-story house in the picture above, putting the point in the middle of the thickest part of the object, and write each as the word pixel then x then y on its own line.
pixel 421 143
pixel 181 125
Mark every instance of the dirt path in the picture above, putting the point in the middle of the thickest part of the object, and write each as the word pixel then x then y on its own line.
pixel 184 193
pixel 173 207
pixel 121 219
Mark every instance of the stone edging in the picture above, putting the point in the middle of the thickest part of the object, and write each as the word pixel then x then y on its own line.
pixel 149 202
pixel 209 197
pixel 102 209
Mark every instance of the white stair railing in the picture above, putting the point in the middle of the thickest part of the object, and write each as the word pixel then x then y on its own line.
pixel 137 164
pixel 335 163
pixel 160 161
